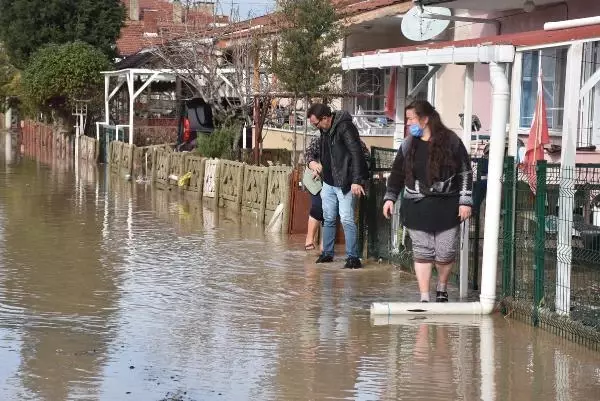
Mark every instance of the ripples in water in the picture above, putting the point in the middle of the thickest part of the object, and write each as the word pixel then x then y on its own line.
pixel 114 291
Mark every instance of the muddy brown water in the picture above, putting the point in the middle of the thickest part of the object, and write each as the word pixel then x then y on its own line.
pixel 111 290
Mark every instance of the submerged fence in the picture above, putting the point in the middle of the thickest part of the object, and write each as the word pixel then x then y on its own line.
pixel 550 272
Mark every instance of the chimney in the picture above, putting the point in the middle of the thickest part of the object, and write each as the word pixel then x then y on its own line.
pixel 177 12
pixel 207 7
pixel 134 10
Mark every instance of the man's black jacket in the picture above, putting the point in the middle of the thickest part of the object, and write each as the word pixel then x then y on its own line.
pixel 348 164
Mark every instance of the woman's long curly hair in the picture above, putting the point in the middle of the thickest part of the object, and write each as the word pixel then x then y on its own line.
pixel 441 158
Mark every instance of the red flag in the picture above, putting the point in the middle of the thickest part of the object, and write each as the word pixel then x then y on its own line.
pixel 538 137
pixel 390 99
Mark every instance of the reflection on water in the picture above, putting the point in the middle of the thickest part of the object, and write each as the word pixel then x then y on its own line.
pixel 112 290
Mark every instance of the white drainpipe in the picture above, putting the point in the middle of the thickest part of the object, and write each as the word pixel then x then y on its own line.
pixel 573 23
pixel 487 299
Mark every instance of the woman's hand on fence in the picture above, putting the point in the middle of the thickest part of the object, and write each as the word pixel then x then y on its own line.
pixel 388 209
pixel 464 212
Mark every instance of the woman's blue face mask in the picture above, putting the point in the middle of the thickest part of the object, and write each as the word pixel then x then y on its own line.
pixel 416 130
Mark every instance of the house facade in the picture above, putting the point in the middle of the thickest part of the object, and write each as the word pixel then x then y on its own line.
pixel 373 32
pixel 147 19
pixel 506 23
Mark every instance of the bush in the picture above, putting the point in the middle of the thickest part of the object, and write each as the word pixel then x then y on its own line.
pixel 59 74
pixel 28 25
pixel 220 144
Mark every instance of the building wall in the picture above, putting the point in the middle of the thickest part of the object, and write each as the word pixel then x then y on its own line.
pixel 450 79
pixel 367 41
pixel 279 139
pixel 449 94
pixel 146 18
pixel 570 9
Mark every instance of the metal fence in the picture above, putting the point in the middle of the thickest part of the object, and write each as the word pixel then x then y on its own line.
pixel 551 255
pixel 109 133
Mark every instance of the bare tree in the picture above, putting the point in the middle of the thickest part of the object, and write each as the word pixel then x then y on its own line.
pixel 221 63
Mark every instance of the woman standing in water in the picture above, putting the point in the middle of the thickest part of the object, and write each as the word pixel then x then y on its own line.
pixel 434 169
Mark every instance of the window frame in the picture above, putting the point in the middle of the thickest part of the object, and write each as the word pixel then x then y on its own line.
pixel 383 76
pixel 523 131
pixel 589 108
pixel 428 91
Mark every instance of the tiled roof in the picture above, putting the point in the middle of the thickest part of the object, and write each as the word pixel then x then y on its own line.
pixel 137 60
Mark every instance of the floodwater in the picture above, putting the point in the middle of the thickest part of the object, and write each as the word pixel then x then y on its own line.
pixel 112 290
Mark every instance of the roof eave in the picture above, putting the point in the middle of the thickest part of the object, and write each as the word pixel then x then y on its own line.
pixel 427 57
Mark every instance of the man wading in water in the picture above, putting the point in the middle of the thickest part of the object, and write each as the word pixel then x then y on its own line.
pixel 434 169
pixel 343 169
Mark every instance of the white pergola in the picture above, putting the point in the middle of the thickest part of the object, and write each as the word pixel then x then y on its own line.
pixel 128 77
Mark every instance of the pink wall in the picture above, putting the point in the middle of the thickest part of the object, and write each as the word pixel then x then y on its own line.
pixel 450 79
pixel 482 91
pixel 534 21
pixel 367 41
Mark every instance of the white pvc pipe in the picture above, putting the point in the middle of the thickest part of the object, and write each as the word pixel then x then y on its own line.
pixel 500 99
pixel 491 233
pixel 573 23
pixel 432 308
pixel 466 138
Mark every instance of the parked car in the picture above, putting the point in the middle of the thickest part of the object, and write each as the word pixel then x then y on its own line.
pixel 196 118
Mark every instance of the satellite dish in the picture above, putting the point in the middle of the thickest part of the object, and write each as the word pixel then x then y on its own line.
pixel 418 29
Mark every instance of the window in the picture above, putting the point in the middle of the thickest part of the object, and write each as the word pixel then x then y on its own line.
pixel 371 81
pixel 589 115
pixel 415 75
pixel 553 66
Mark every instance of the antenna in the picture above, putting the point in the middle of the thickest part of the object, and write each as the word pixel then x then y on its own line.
pixel 417 27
